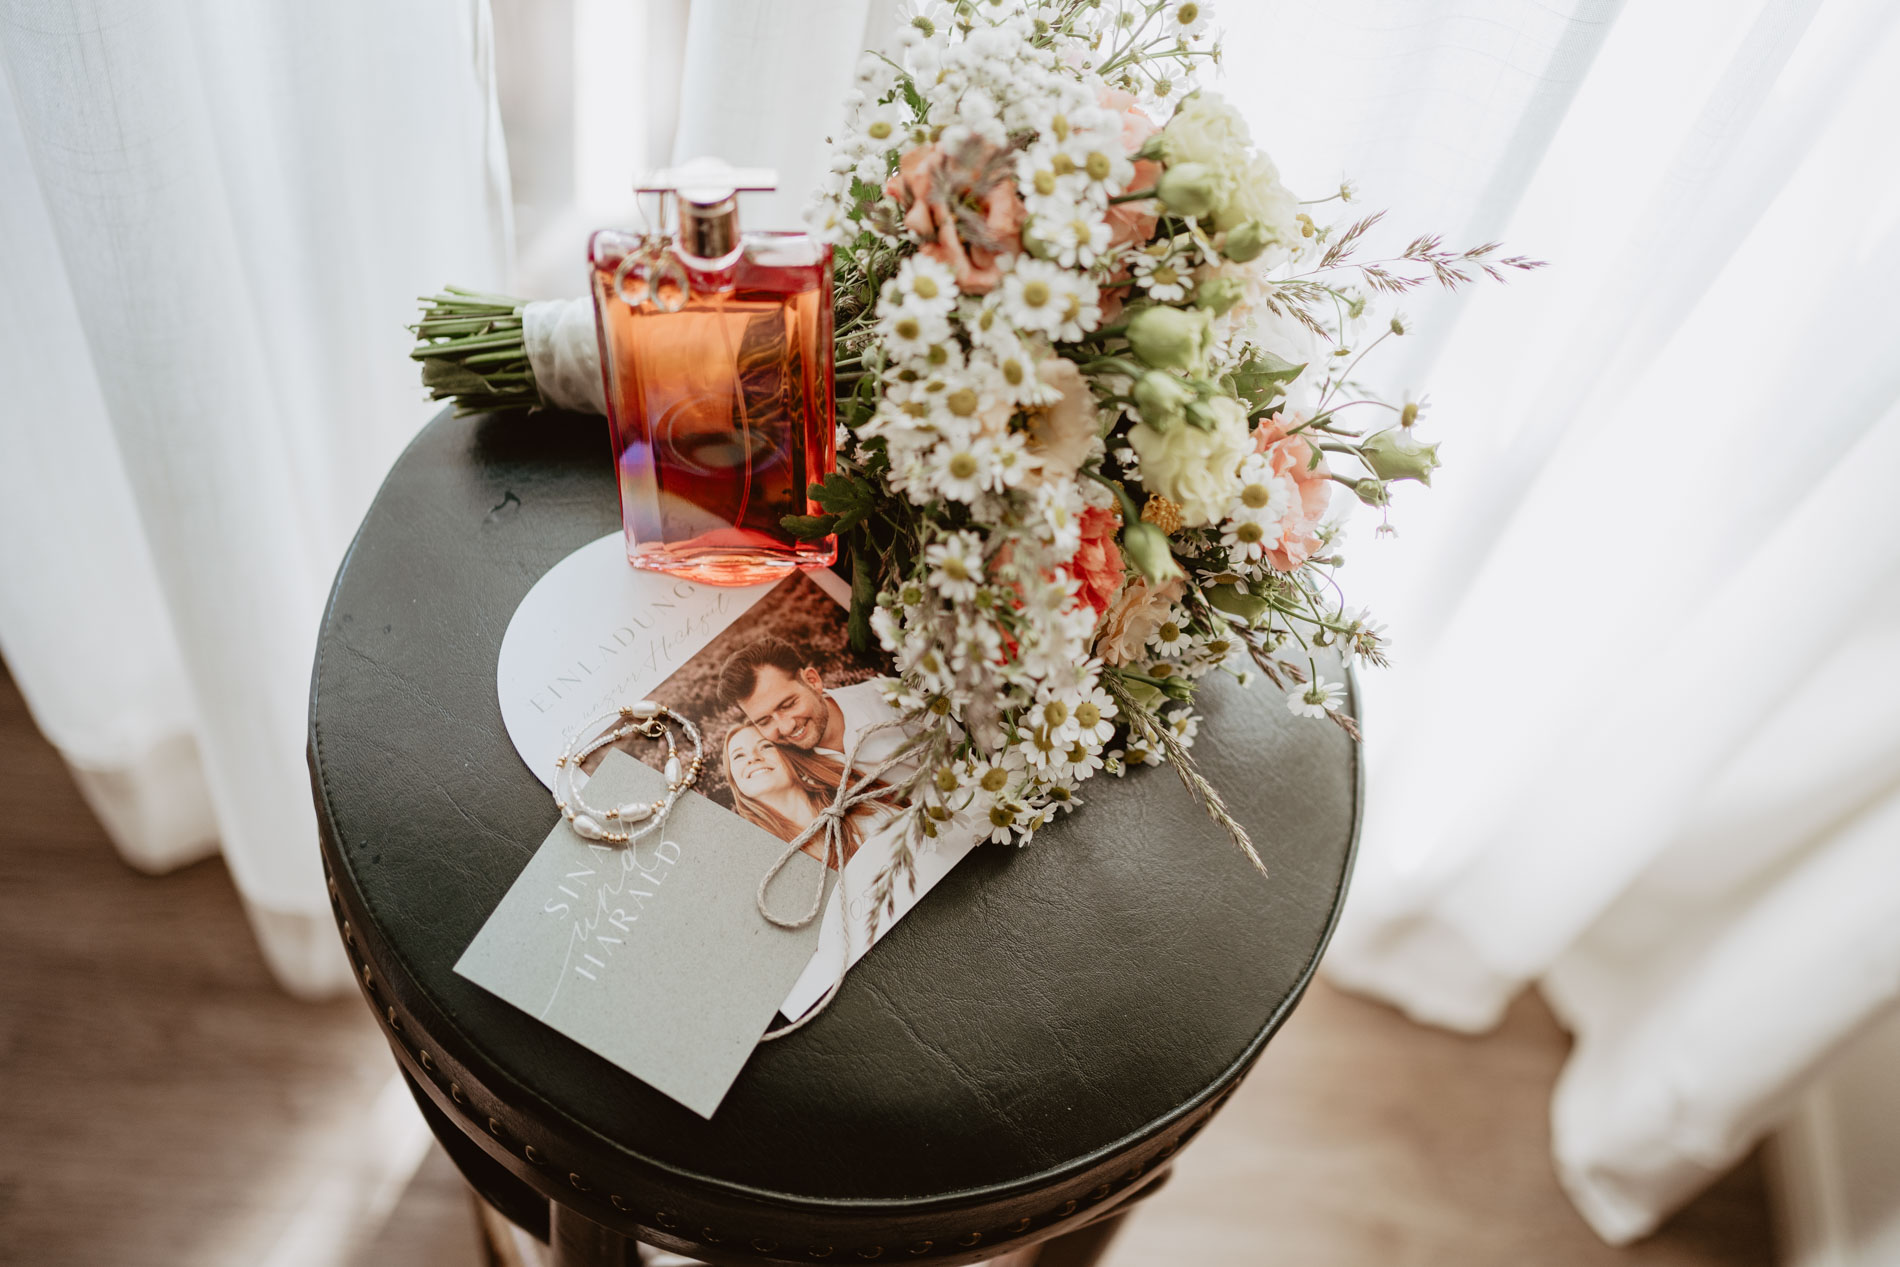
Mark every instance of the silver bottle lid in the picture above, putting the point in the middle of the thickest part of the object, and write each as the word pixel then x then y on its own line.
pixel 706 195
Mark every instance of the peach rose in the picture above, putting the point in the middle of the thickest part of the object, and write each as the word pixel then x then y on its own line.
pixel 1292 458
pixel 1131 222
pixel 1133 617
pixel 1098 560
pixel 964 207
pixel 1061 434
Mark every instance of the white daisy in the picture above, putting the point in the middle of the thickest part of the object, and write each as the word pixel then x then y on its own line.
pixel 960 468
pixel 1035 295
pixel 1159 272
pixel 956 565
pixel 1080 239
pixel 999 821
pixel 908 334
pixel 1261 496
pixel 1316 698
pixel 1188 18
pixel 1093 712
pixel 1171 637
pixel 1248 540
pixel 1010 460
pixel 925 285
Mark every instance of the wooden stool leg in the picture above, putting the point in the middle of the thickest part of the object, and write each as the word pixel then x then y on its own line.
pixel 1080 1248
pixel 577 1241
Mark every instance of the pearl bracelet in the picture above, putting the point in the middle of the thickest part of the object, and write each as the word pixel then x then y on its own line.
pixel 646 718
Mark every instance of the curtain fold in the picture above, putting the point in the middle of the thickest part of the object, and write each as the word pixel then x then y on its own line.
pixel 224 215
pixel 1637 744
pixel 1641 748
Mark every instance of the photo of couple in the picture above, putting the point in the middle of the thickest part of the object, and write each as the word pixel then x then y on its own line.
pixel 781 699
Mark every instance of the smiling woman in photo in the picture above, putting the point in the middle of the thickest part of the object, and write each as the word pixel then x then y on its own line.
pixel 781 789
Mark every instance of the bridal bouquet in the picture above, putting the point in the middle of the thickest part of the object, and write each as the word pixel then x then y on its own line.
pixel 1099 379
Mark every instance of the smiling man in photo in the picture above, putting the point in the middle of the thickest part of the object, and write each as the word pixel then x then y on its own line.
pixel 772 683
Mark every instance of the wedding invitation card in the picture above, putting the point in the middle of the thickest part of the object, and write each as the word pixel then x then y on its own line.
pixel 782 702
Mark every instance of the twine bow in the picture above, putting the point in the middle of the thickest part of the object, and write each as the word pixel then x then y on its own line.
pixel 830 821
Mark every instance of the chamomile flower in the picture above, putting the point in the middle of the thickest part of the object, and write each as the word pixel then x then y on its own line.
pixel 1092 711
pixel 1078 761
pixel 1187 18
pixel 956 565
pixel 1316 698
pixel 925 286
pixel 1080 239
pixel 1161 273
pixel 1035 295
pixel 1041 749
pixel 1000 821
pixel 1248 540
pixel 908 333
pixel 1171 637
pixel 1081 309
pixel 960 468
pixel 1261 494
pixel 1010 460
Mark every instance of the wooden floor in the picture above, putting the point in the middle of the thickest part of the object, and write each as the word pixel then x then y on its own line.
pixel 164 1104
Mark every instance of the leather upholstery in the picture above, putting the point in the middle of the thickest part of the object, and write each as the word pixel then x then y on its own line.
pixel 1027 1048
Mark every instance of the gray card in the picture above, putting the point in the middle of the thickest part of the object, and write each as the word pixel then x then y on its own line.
pixel 654 955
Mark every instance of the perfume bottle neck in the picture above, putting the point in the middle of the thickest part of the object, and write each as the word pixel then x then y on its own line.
pixel 708 232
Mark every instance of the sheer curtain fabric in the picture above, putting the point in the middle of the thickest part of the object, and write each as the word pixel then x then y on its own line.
pixel 214 220
pixel 1642 746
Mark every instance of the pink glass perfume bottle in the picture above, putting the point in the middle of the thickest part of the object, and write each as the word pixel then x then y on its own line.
pixel 716 350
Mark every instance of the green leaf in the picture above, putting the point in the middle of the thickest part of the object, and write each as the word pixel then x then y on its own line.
pixel 863 598
pixel 1258 379
pixel 848 499
pixel 809 527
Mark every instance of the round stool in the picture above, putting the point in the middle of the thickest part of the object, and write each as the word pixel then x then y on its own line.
pixel 1019 1059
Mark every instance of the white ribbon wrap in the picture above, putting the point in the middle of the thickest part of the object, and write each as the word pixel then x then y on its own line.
pixel 564 353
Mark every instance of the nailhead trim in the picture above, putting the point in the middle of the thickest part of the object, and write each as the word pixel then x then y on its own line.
pixel 669 1221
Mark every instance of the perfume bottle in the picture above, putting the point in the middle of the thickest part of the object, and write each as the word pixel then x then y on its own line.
pixel 715 346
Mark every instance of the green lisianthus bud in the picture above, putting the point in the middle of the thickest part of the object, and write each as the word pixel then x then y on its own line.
pixel 1371 492
pixel 1245 241
pixel 1146 546
pixel 1171 338
pixel 1218 294
pixel 1396 454
pixel 1236 602
pixel 1161 397
pixel 1191 189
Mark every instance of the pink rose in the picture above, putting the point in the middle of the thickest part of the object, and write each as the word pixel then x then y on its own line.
pixel 1292 458
pixel 1098 560
pixel 964 207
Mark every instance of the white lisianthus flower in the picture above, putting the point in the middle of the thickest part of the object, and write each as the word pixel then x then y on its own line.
pixel 1259 196
pixel 1196 470
pixel 1206 129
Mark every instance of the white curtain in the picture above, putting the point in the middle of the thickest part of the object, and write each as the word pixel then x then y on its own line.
pixel 1642 746
pixel 214 220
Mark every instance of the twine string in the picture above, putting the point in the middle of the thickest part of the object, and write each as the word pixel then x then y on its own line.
pixel 830 822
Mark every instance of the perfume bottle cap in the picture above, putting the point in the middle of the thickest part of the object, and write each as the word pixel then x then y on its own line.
pixel 706 194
